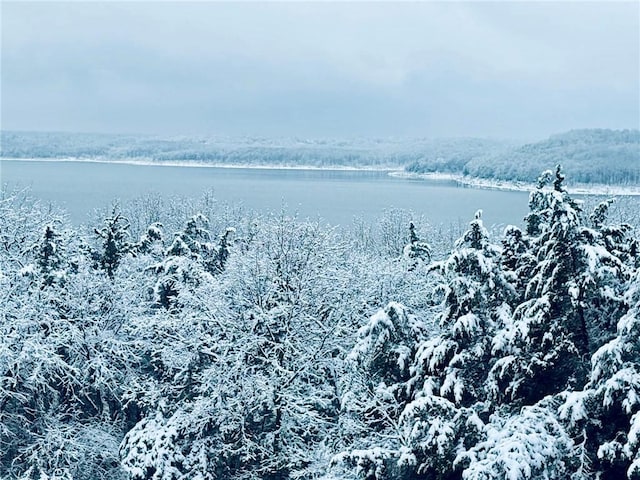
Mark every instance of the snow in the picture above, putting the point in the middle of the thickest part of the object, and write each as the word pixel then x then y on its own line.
pixel 152 448
pixel 491 184
pixel 633 437
pixel 526 445
pixel 624 383
pixel 452 385
pixel 596 254
pixel 404 357
pixel 606 359
pixel 267 339
pixel 195 164
pixel 467 326
pixel 629 325
pixel 434 353
pixel 407 457
pixel 504 315
pixel 374 335
pixel 573 408
pixel 632 447
pixel 610 451
pixel 28 270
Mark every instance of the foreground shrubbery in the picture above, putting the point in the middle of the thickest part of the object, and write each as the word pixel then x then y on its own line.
pixel 273 348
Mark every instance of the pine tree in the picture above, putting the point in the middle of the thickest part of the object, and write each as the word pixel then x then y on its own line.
pixel 517 258
pixel 518 326
pixel 184 262
pixel 422 395
pixel 478 295
pixel 544 349
pixel 605 416
pixel 217 259
pixel 194 240
pixel 416 251
pixel 115 244
pixel 152 236
pixel 50 256
pixel 375 393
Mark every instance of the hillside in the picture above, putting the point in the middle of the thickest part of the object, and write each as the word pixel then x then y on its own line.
pixel 359 152
pixel 592 156
pixel 610 157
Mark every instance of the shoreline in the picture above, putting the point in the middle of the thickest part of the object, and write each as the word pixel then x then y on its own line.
pixel 193 164
pixel 393 171
pixel 485 183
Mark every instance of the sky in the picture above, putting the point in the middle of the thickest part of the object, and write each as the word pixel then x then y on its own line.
pixel 321 69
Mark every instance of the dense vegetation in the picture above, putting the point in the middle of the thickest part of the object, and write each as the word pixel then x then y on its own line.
pixel 596 156
pixel 242 151
pixel 609 157
pixel 593 156
pixel 220 345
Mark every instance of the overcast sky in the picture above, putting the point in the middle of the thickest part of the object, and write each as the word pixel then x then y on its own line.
pixel 502 69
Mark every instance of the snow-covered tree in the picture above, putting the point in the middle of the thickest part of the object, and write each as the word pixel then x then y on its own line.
pixel 148 242
pixel 411 396
pixel 247 387
pixel 416 251
pixel 477 296
pixel 542 349
pixel 571 300
pixel 115 241
pixel 492 396
pixel 291 352
pixel 529 445
pixel 185 262
pixel 62 368
pixel 605 416
pixel 50 256
pixel 375 393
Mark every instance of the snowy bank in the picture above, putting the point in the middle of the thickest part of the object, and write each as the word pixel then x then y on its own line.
pixel 187 163
pixel 494 184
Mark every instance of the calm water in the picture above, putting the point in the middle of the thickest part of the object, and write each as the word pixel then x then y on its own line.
pixel 334 196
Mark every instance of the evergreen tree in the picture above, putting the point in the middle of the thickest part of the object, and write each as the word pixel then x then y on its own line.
pixel 152 236
pixel 115 244
pixel 517 258
pixel 517 359
pixel 416 251
pixel 193 240
pixel 184 262
pixel 422 396
pixel 49 256
pixel 217 259
pixel 604 417
pixel 544 348
pixel 478 295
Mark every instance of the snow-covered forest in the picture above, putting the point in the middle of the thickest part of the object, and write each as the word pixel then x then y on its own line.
pixel 610 157
pixel 192 340
pixel 594 156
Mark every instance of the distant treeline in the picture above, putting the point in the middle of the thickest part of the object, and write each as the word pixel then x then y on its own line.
pixel 245 150
pixel 592 156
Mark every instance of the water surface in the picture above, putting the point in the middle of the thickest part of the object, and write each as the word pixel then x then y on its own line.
pixel 334 196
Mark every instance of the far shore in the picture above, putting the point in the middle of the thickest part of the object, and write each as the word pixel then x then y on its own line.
pixel 195 164
pixel 394 171
pixel 476 182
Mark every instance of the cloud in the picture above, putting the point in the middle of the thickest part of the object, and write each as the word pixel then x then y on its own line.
pixel 504 69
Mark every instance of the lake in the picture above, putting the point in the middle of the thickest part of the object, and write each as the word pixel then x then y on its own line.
pixel 334 196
